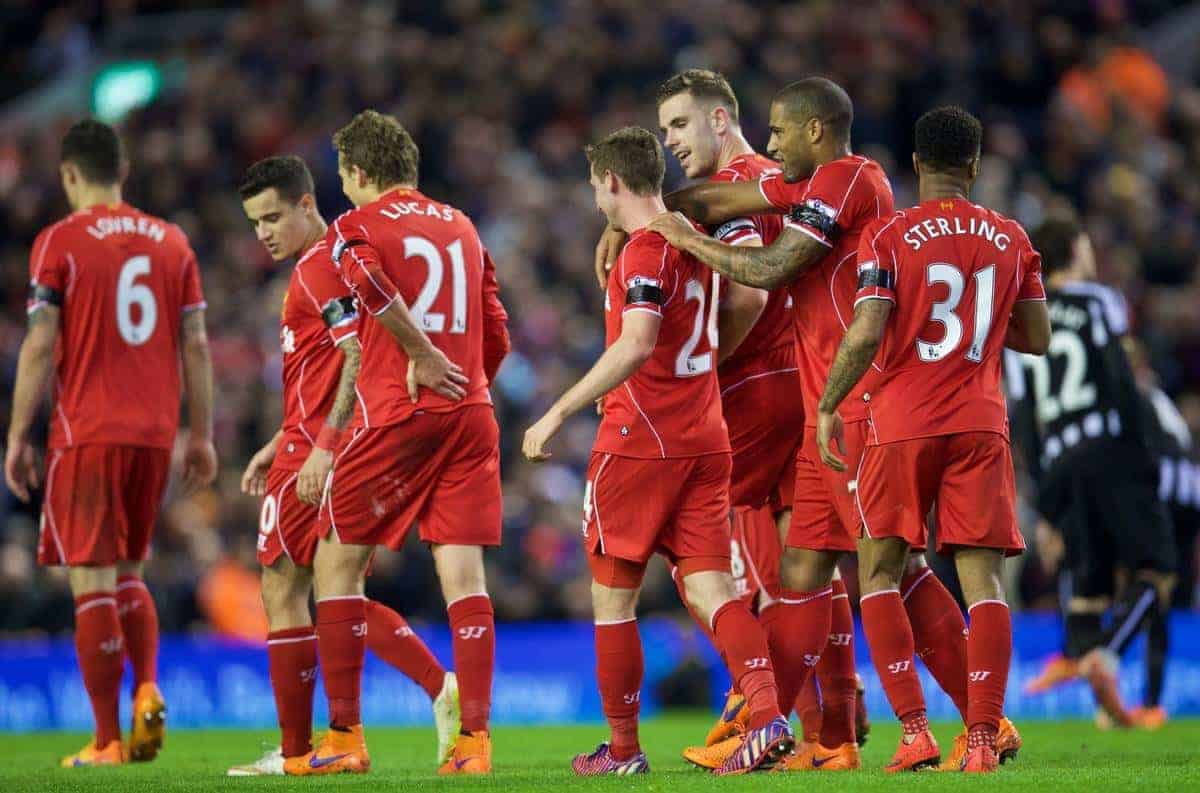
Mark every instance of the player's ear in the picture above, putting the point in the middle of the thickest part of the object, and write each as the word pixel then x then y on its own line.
pixel 816 130
pixel 973 168
pixel 916 164
pixel 612 182
pixel 307 202
pixel 718 119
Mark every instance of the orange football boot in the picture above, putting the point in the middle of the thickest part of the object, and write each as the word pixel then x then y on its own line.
pixel 842 758
pixel 1058 670
pixel 799 760
pixel 112 754
pixel 149 723
pixel 1008 743
pixel 338 752
pixel 921 752
pixel 981 760
pixel 472 754
pixel 732 721
pixel 714 756
pixel 1149 718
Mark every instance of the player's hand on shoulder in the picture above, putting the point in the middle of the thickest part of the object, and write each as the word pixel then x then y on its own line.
pixel 199 463
pixel 607 250
pixel 21 468
pixel 435 371
pixel 674 226
pixel 829 435
pixel 311 481
pixel 254 478
pixel 537 436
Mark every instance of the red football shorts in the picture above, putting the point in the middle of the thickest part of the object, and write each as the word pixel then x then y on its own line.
pixel 755 556
pixel 101 504
pixel 633 508
pixel 439 470
pixel 824 515
pixel 765 416
pixel 286 526
pixel 968 476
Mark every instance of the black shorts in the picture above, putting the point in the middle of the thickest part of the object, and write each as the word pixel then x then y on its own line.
pixel 1109 519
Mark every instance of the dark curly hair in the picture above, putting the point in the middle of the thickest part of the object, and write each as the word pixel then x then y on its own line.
pixel 948 138
pixel 94 148
pixel 287 173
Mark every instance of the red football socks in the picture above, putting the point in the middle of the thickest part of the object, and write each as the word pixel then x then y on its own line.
pixel 619 669
pixel 390 637
pixel 99 645
pixel 939 633
pixel 989 652
pixel 798 630
pixel 891 641
pixel 808 710
pixel 835 672
pixel 749 661
pixel 139 623
pixel 473 631
pixel 292 662
pixel 342 646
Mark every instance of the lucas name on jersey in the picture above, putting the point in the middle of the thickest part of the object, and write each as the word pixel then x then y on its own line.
pixel 398 209
pixel 920 233
pixel 124 224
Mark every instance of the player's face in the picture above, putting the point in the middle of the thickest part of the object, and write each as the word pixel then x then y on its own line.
pixel 689 134
pixel 1083 264
pixel 789 144
pixel 281 226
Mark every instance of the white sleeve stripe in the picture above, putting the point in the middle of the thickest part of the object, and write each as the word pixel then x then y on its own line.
pixel 789 224
pixel 386 306
pixel 195 306
pixel 747 239
pixel 639 307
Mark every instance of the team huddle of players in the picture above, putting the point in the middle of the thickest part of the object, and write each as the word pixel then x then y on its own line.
pixel 786 348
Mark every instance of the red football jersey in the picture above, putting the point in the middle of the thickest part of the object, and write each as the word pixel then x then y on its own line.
pixel 774 326
pixel 671 406
pixel 123 280
pixel 318 314
pixel 954 270
pixel 833 206
pixel 406 246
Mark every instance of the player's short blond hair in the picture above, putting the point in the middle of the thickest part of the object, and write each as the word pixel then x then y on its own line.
pixel 381 147
pixel 702 84
pixel 634 155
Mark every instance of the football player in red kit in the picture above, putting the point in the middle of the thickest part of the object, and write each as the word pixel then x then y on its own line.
pixel 658 480
pixel 943 287
pixel 424 444
pixel 318 337
pixel 116 313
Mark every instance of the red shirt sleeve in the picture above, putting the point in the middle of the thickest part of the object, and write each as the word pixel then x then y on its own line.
pixel 49 272
pixel 737 231
pixel 496 344
pixel 827 202
pixel 1031 278
pixel 876 264
pixel 361 267
pixel 643 275
pixel 330 296
pixel 777 192
pixel 193 293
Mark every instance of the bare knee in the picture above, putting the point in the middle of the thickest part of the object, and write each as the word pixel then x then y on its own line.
pixel 130 569
pixel 881 564
pixel 613 604
pixel 460 571
pixel 339 570
pixel 804 570
pixel 285 590
pixel 707 591
pixel 86 580
pixel 980 574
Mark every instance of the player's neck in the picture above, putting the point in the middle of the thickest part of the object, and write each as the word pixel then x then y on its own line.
pixel 372 194
pixel 835 150
pixel 935 187
pixel 97 195
pixel 735 145
pixel 638 211
pixel 316 233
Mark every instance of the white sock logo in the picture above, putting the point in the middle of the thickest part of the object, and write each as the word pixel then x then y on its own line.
pixel 757 663
pixel 899 666
pixel 811 660
pixel 359 630
pixel 840 639
pixel 472 632
pixel 979 676
pixel 633 698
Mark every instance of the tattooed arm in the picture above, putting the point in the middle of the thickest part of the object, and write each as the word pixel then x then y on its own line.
pixel 717 202
pixel 854 357
pixel 311 480
pixel 792 253
pixel 34 366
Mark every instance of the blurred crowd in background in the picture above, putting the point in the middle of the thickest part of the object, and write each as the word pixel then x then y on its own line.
pixel 1083 108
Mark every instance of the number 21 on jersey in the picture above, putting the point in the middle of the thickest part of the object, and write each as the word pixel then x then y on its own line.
pixel 435 322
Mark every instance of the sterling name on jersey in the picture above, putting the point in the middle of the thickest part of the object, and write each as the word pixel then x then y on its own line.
pixel 1082 392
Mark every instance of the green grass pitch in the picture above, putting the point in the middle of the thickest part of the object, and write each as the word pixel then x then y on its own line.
pixel 1066 756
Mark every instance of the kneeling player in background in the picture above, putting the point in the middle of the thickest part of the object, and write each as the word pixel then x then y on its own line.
pixel 321 353
pixel 424 447
pixel 964 282
pixel 117 292
pixel 659 474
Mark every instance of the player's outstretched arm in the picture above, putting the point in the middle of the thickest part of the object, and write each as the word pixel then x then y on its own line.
pixel 1029 328
pixel 311 479
pixel 716 202
pixel 779 263
pixel 200 457
pixel 854 357
pixel 34 367
pixel 639 332
pixel 738 311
